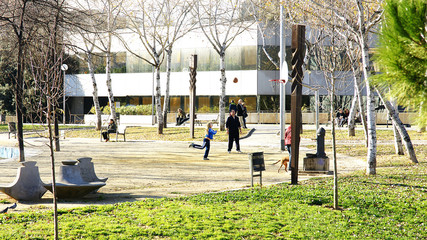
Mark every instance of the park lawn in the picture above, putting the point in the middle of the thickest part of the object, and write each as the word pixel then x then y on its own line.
pixel 382 135
pixel 150 133
pixel 38 127
pixel 390 205
pixel 386 156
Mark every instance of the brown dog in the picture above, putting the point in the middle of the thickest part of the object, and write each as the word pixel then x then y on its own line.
pixel 285 161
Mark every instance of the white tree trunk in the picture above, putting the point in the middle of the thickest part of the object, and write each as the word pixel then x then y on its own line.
pixel 168 76
pixel 109 87
pixel 401 128
pixel 351 123
pixel 222 97
pixel 398 147
pixel 362 110
pixel 372 133
pixel 158 97
pixel 94 92
pixel 108 65
pixel 371 117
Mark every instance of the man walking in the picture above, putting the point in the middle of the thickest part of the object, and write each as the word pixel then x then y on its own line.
pixel 233 129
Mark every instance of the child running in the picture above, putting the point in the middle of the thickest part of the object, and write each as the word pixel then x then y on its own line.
pixel 206 141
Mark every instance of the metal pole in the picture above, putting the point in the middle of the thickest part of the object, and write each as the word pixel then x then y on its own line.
pixel 316 96
pixel 63 102
pixel 64 67
pixel 152 100
pixel 282 85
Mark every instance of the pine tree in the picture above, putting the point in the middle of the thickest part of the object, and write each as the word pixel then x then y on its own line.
pixel 402 54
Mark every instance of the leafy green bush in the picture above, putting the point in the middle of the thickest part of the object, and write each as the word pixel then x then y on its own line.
pixel 126 110
pixel 135 110
pixel 207 109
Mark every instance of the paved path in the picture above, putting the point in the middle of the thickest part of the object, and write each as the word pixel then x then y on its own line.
pixel 152 169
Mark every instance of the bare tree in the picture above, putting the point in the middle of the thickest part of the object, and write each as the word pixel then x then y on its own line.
pixel 358 19
pixel 327 53
pixel 399 125
pixel 15 17
pixel 266 15
pixel 46 58
pixel 353 53
pixel 177 16
pixel 88 33
pixel 146 20
pixel 221 22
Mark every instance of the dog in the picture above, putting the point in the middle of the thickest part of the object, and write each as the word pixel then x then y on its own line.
pixel 285 161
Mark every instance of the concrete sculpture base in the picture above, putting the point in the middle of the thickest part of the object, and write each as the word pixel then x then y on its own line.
pixel 87 170
pixel 316 164
pixel 70 183
pixel 27 186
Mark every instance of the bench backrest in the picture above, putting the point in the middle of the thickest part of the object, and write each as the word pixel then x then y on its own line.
pixel 121 129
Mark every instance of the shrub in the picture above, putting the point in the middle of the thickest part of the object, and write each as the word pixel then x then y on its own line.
pixel 207 109
pixel 135 110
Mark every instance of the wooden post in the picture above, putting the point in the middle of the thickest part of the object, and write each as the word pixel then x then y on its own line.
pixel 193 73
pixel 298 50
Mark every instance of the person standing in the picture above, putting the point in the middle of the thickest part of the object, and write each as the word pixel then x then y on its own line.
pixel 112 128
pixel 206 141
pixel 240 112
pixel 288 141
pixel 232 106
pixel 245 114
pixel 233 130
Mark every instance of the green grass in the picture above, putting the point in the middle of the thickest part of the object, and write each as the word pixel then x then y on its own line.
pixel 342 134
pixel 30 127
pixel 390 205
pixel 150 133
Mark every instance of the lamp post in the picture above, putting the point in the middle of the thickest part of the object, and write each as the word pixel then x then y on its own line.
pixel 283 76
pixel 64 67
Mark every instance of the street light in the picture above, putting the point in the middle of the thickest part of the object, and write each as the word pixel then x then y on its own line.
pixel 64 67
pixel 283 76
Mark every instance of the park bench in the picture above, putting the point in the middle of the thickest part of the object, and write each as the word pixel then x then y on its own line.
pixel 205 118
pixel 121 130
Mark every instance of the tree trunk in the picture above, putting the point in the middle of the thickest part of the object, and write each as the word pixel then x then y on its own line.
pixel 52 158
pixel 108 66
pixel 94 92
pixel 401 128
pixel 18 95
pixel 223 85
pixel 158 97
pixel 372 133
pixel 168 76
pixel 109 87
pixel 334 153
pixel 398 147
pixel 56 128
pixel 351 123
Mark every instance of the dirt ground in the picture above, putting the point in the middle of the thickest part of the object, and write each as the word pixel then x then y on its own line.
pixel 155 169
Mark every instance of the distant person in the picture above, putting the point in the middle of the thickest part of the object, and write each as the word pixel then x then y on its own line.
pixel 180 117
pixel 232 106
pixel 288 141
pixel 245 114
pixel 206 141
pixel 112 128
pixel 346 114
pixel 240 112
pixel 340 118
pixel 233 131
